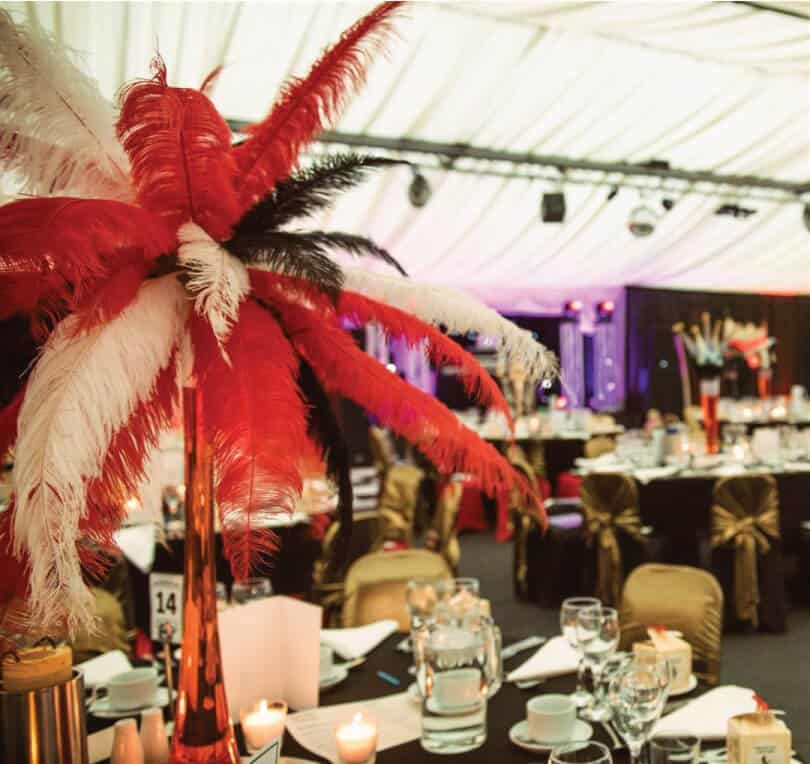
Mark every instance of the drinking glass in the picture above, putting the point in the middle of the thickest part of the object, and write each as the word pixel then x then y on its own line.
pixel 455 673
pixel 458 600
pixel 598 636
pixel 251 589
pixel 421 598
pixel 568 624
pixel 679 749
pixel 636 697
pixel 580 753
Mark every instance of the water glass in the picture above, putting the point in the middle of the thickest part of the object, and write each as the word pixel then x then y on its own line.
pixel 455 673
pixel 458 600
pixel 251 589
pixel 637 695
pixel 679 749
pixel 568 624
pixel 598 637
pixel 580 753
pixel 421 598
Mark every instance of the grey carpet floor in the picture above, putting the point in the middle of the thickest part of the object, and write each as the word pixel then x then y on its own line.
pixel 777 666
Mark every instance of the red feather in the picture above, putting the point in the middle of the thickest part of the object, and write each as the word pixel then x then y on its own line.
pixel 119 291
pixel 436 431
pixel 123 468
pixel 255 418
pixel 56 251
pixel 180 151
pixel 13 570
pixel 441 349
pixel 306 106
pixel 8 422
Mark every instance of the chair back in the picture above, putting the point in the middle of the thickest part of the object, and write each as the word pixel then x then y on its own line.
pixel 382 450
pixel 599 445
pixel 397 502
pixel 376 585
pixel 611 510
pixel 686 599
pixel 745 518
pixel 442 536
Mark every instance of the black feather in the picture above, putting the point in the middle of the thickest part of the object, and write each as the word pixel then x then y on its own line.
pixel 325 429
pixel 354 245
pixel 309 191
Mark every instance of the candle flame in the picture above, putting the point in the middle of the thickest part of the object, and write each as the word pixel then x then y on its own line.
pixel 262 706
pixel 358 718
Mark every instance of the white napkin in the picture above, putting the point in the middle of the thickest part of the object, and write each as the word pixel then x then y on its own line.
pixel 707 716
pixel 598 461
pixel 353 643
pixel 797 466
pixel 729 470
pixel 137 542
pixel 554 658
pixel 647 474
pixel 104 667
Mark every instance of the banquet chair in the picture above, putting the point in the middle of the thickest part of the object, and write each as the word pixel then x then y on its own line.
pixel 598 446
pixel 397 503
pixel 613 531
pixel 747 551
pixel 382 450
pixel 681 598
pixel 442 536
pixel 376 585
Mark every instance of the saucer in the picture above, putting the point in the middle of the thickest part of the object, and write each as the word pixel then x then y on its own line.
pixel 334 677
pixel 693 682
pixel 519 735
pixel 435 708
pixel 102 709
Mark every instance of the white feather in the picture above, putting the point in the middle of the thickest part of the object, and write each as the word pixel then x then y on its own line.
pixel 57 131
pixel 218 280
pixel 83 388
pixel 458 312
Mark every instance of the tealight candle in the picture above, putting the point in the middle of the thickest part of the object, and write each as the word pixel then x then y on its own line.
pixel 357 741
pixel 263 724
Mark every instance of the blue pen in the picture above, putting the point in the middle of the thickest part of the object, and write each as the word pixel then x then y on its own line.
pixel 388 678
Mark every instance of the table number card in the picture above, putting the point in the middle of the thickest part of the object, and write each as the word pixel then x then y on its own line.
pixel 166 604
pixel 268 755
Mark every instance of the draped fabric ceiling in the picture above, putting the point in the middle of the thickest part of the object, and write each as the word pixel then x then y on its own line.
pixel 717 86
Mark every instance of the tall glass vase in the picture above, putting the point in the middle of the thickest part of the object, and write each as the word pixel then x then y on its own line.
pixel 764 383
pixel 203 733
pixel 709 396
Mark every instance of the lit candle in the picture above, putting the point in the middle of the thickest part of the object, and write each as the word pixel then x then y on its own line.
pixel 264 724
pixel 357 741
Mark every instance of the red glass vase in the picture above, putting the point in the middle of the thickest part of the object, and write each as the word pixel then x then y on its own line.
pixel 709 396
pixel 203 733
pixel 764 383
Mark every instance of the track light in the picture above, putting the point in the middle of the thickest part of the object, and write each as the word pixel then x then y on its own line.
pixel 552 207
pixel 604 311
pixel 419 191
pixel 572 310
pixel 642 220
pixel 735 211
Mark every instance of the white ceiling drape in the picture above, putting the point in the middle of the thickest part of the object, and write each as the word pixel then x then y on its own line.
pixel 715 86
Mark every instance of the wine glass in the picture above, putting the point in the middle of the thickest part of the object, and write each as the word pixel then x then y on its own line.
pixel 637 696
pixel 680 749
pixel 568 624
pixel 458 600
pixel 581 753
pixel 250 589
pixel 598 636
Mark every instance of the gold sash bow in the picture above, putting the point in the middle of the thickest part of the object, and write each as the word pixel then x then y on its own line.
pixel 601 525
pixel 751 535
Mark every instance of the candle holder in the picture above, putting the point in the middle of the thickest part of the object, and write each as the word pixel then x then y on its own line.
pixel 262 723
pixel 356 740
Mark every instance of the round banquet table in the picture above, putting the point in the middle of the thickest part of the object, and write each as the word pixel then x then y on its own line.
pixel 504 710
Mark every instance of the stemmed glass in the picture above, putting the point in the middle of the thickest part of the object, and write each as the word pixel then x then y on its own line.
pixel 458 600
pixel 598 636
pixel 568 624
pixel 681 749
pixel 581 753
pixel 637 696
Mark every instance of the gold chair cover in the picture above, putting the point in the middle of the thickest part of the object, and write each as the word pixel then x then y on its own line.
pixel 687 599
pixel 442 537
pixel 376 585
pixel 382 450
pixel 610 505
pixel 745 515
pixel 524 523
pixel 397 502
pixel 111 633
pixel 599 445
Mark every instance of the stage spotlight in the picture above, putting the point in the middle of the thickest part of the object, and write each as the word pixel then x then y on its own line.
pixel 806 216
pixel 642 220
pixel 552 207
pixel 604 311
pixel 419 191
pixel 572 310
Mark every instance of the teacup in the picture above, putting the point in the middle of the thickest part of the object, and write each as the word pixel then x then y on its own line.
pixel 551 718
pixel 327 661
pixel 457 688
pixel 132 689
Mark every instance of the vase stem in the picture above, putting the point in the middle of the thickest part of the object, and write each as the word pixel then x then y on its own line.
pixel 203 733
pixel 709 397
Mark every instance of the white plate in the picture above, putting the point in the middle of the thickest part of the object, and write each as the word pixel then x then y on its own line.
pixel 337 675
pixel 693 682
pixel 102 709
pixel 519 734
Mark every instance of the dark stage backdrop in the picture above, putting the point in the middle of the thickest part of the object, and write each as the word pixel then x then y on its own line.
pixel 651 364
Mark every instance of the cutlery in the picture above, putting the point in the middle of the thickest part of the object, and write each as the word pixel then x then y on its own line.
pixel 527 684
pixel 524 644
pixel 354 663
pixel 614 738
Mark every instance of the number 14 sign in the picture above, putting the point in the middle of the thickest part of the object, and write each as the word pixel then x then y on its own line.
pixel 166 604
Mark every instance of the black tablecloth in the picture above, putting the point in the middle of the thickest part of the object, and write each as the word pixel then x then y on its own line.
pixel 504 710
